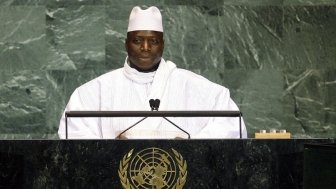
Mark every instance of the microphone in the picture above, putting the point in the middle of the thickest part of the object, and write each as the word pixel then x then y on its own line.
pixel 79 114
pixel 154 104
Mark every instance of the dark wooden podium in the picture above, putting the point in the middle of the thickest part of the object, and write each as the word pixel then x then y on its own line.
pixel 319 166
pixel 247 163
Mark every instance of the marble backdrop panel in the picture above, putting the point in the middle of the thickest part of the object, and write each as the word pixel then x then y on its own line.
pixel 23 50
pixel 278 61
pixel 22 103
pixel 22 38
pixel 329 121
pixel 193 37
pixel 307 95
pixel 115 34
pixel 309 2
pixel 209 5
pixel 60 85
pixel 258 93
pixel 67 3
pixel 78 32
pixel 76 39
pixel 309 37
pixel 22 2
pixel 309 48
pixel 133 3
pixel 254 2
pixel 253 37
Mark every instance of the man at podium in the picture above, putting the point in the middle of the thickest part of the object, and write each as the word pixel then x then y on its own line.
pixel 146 75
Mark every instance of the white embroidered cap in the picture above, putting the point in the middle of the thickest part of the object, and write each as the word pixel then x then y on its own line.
pixel 148 19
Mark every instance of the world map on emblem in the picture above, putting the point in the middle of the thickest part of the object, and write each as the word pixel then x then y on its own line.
pixel 153 168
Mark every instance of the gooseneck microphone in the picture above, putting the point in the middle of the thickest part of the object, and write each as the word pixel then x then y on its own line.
pixel 130 127
pixel 155 104
pixel 195 113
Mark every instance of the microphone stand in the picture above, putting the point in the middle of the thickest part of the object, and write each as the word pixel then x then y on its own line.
pixel 177 127
pixel 130 127
pixel 145 114
pixel 155 104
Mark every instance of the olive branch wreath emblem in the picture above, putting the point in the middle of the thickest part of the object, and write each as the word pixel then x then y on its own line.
pixel 182 165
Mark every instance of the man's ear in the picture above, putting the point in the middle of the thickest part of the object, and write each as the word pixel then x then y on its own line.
pixel 163 44
pixel 126 48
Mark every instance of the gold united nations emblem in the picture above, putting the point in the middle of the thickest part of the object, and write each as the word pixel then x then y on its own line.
pixel 153 168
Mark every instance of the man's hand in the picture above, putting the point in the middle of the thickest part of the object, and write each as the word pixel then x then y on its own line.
pixel 121 137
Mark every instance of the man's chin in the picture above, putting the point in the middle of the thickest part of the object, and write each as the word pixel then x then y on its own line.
pixel 146 67
pixel 145 64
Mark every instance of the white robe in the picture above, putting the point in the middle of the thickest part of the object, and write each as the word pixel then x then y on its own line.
pixel 127 89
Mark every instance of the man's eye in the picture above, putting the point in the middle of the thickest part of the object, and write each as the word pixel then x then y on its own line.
pixel 154 41
pixel 137 41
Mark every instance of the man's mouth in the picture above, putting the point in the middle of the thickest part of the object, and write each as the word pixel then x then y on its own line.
pixel 144 57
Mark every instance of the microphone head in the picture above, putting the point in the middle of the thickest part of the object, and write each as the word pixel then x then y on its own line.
pixel 157 103
pixel 154 104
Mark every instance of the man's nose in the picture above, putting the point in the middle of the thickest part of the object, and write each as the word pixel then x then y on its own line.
pixel 145 46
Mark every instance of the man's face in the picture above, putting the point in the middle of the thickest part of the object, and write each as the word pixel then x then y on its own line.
pixel 144 48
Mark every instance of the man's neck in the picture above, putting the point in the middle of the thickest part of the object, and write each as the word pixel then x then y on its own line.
pixel 152 69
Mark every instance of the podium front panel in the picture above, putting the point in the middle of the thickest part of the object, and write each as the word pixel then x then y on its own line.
pixel 247 163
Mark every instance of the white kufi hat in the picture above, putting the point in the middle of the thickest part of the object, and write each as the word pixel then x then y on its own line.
pixel 148 19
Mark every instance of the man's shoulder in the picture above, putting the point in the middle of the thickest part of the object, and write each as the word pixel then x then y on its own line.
pixel 192 76
pixel 111 74
pixel 189 74
pixel 194 80
pixel 102 79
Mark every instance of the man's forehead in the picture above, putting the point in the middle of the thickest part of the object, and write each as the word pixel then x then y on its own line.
pixel 145 33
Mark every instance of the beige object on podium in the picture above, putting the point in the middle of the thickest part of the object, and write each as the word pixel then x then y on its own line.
pixel 273 134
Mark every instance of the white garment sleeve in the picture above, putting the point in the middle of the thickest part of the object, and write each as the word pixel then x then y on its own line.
pixel 223 127
pixel 80 128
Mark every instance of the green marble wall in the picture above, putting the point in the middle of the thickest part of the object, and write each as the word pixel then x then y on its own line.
pixel 278 57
